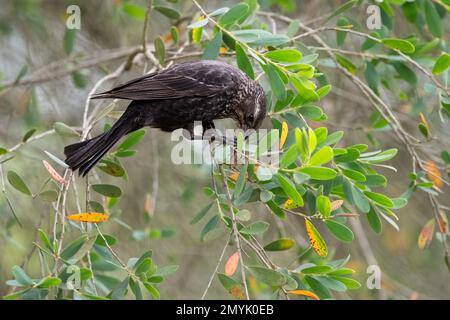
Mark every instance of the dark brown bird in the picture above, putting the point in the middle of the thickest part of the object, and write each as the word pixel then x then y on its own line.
pixel 174 98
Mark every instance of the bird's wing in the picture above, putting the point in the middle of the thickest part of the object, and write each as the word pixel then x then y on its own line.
pixel 164 85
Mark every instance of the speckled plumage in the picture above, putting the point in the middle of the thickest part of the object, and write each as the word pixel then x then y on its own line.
pixel 174 98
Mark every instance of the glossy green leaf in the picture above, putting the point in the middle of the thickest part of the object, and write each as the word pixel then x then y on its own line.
pixel 257 227
pixel 323 204
pixel 399 44
pixel 442 64
pixel 289 188
pixel 280 245
pixel 284 55
pixel 107 190
pixel 340 231
pixel 319 173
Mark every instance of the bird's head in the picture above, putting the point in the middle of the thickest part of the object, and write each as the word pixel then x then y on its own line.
pixel 252 110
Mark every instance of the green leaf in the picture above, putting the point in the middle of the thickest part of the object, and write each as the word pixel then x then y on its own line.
pixel 71 249
pixel 319 173
pixel 354 175
pixel 21 276
pixel 284 55
pixel 201 213
pixel 112 168
pixel 174 33
pixel 160 50
pixel 399 44
pixel 255 228
pixel 360 200
pixel 442 63
pixel 348 282
pixel 340 231
pixel 45 240
pixel 341 35
pixel 341 9
pixel 135 288
pixel 144 266
pixel 433 19
pixel 16 218
pixel 107 190
pixel 134 10
pixel 23 71
pixel 69 40
pixel 316 270
pixel 132 139
pixel 213 47
pixel 48 196
pixel 380 157
pixel 322 156
pixel 168 12
pixel 276 83
pixel 234 14
pixel 16 181
pixel 235 288
pixel 28 135
pixel 289 188
pixel 49 282
pixel 280 245
pixel 243 61
pixel 323 204
pixel 374 220
pixel 3 151
pixel 210 225
pixel 64 130
pixel 347 64
pixel 106 239
pixel 380 199
pixel 268 276
pixel 165 271
pixel 121 290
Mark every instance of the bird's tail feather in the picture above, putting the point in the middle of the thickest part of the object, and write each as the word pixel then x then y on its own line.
pixel 85 155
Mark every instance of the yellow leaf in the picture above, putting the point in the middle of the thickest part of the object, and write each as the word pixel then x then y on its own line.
pixel 223 50
pixel 234 176
pixel 53 173
pixel 92 217
pixel 289 204
pixel 316 239
pixel 336 204
pixel 231 264
pixel 305 293
pixel 284 134
pixel 426 234
pixel 433 173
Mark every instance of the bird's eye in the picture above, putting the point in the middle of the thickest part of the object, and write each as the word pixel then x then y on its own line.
pixel 251 118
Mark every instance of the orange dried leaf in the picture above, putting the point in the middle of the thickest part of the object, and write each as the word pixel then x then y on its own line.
pixel 336 204
pixel 232 264
pixel 433 173
pixel 442 222
pixel 284 134
pixel 426 234
pixel 316 240
pixel 92 217
pixel 167 37
pixel 223 50
pixel 237 292
pixel 148 204
pixel 53 173
pixel 305 293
